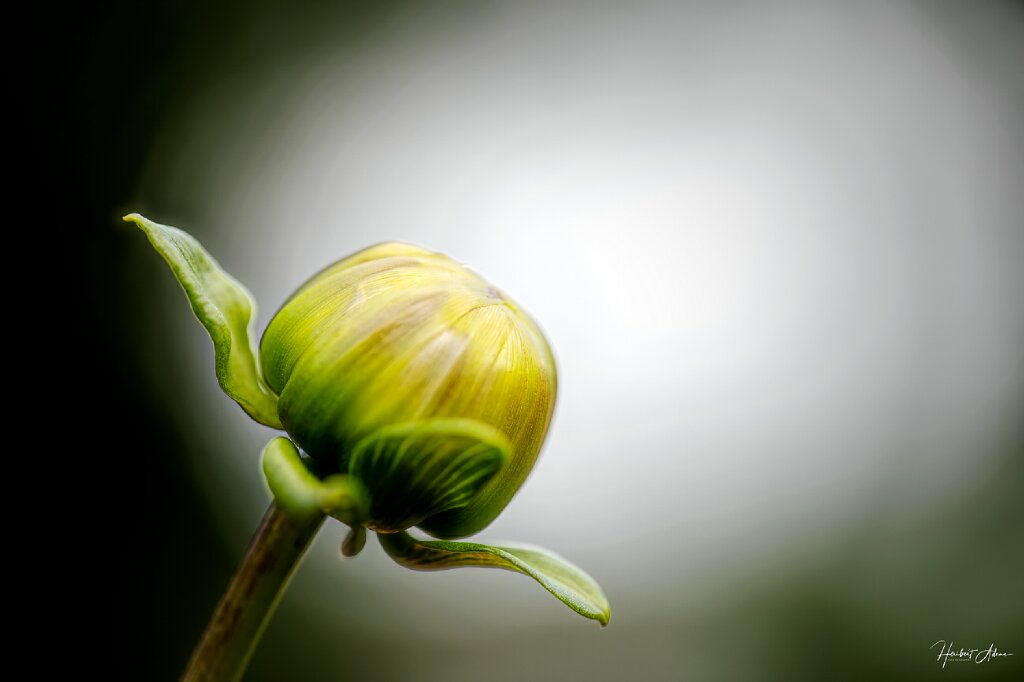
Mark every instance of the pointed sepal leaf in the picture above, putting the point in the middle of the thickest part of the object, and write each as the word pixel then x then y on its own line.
pixel 417 469
pixel 569 583
pixel 225 308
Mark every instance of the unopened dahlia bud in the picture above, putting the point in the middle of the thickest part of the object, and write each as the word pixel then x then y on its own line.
pixel 420 394
pixel 396 335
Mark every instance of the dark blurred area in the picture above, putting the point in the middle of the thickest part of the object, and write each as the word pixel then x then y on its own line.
pixel 130 67
pixel 863 604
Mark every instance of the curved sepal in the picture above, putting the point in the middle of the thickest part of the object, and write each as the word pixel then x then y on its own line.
pixel 225 308
pixel 569 583
pixel 301 494
pixel 417 469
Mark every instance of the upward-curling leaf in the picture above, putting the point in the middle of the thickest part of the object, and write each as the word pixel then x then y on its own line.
pixel 225 308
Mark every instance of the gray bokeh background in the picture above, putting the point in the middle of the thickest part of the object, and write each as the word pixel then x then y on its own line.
pixel 777 251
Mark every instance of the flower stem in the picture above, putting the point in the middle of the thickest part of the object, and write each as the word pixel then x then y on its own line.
pixel 272 557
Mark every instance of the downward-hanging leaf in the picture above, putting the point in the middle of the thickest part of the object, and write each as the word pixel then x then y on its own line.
pixel 567 582
pixel 225 308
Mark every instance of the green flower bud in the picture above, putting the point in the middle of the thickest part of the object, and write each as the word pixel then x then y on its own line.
pixel 420 393
pixel 395 334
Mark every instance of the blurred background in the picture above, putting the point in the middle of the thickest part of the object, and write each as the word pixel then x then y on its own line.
pixel 777 249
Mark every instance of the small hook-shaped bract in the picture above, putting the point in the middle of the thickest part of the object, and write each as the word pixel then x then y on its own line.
pixel 299 492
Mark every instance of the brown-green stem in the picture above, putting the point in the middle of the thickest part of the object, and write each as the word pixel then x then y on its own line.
pixel 272 557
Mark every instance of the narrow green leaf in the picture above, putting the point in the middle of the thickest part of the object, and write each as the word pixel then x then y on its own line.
pixel 417 469
pixel 225 308
pixel 567 582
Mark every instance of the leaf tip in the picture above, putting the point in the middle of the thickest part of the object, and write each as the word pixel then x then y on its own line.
pixel 140 221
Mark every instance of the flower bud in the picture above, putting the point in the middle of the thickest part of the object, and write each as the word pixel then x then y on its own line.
pixel 422 394
pixel 396 335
